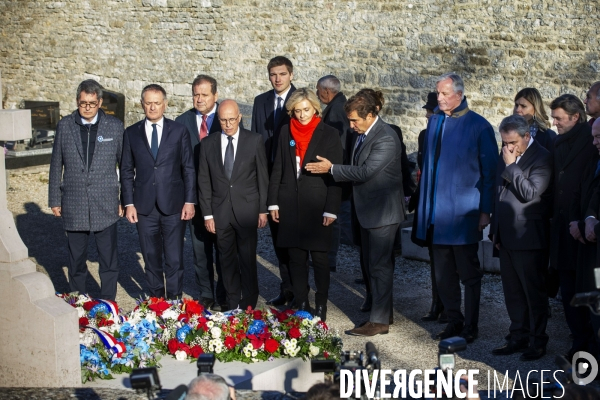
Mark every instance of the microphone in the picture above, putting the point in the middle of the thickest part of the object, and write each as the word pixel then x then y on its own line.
pixel 372 353
pixel 178 393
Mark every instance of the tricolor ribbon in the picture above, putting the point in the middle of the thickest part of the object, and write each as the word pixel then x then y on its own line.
pixel 109 341
pixel 114 309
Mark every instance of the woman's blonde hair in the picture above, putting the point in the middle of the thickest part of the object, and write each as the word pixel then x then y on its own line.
pixel 300 95
pixel 533 96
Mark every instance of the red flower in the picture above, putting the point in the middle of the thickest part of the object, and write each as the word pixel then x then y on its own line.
pixel 184 347
pixel 326 354
pixel 173 345
pixel 229 342
pixel 271 345
pixel 323 324
pixel 196 351
pixel 192 307
pixel 257 314
pixel 294 333
pixel 83 321
pixel 160 307
pixel 239 337
pixel 182 317
pixel 105 322
pixel 256 342
pixel 88 305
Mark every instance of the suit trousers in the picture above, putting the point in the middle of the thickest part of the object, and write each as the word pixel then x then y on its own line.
pixel 578 318
pixel 162 234
pixel 377 246
pixel 106 243
pixel 522 273
pixel 299 274
pixel 282 257
pixel 203 243
pixel 237 250
pixel 453 265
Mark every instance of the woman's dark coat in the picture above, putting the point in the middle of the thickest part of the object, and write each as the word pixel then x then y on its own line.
pixel 303 200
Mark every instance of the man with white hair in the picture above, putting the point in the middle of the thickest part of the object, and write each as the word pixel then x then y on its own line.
pixel 209 387
pixel 455 201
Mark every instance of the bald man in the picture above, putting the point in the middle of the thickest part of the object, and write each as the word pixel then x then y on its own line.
pixel 232 189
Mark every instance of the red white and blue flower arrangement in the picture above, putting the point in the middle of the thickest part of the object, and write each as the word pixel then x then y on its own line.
pixel 112 342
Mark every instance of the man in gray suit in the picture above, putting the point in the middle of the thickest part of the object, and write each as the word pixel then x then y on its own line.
pixel 84 186
pixel 520 226
pixel 376 177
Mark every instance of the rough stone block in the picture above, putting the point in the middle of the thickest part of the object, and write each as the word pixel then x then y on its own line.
pixel 15 124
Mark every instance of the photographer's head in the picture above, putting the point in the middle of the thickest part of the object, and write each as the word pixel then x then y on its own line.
pixel 209 387
pixel 323 391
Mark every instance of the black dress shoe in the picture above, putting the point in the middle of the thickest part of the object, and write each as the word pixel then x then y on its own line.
pixel 367 304
pixel 359 281
pixel 391 321
pixel 434 312
pixel 283 298
pixel 321 312
pixel 207 302
pixel 305 306
pixel 451 329
pixel 443 318
pixel 511 347
pixel 533 353
pixel 469 333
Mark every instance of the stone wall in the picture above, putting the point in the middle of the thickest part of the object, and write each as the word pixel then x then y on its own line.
pixel 47 47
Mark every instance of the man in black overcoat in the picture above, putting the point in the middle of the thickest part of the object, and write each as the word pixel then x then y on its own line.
pixel 573 152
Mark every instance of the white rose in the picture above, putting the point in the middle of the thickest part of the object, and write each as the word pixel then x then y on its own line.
pixel 215 332
pixel 180 355
pixel 80 312
pixel 170 314
pixel 314 350
pixel 210 324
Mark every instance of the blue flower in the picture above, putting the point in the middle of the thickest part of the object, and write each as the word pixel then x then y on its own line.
pixel 99 308
pixel 182 333
pixel 303 314
pixel 256 327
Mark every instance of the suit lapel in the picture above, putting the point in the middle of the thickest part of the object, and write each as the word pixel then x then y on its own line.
pixel 581 142
pixel 312 145
pixel 76 137
pixel 370 137
pixel 218 154
pixel 142 133
pixel 268 109
pixel 529 157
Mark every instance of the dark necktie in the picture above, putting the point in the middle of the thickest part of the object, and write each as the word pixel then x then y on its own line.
pixel 277 111
pixel 204 127
pixel 359 142
pixel 228 164
pixel 154 142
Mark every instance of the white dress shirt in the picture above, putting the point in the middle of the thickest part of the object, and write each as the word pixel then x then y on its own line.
pixel 159 130
pixel 283 96
pixel 225 142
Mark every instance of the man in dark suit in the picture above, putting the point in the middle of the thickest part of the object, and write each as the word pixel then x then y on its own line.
pixel 592 102
pixel 376 177
pixel 520 231
pixel 84 187
pixel 159 190
pixel 232 185
pixel 329 93
pixel 202 121
pixel 268 116
pixel 573 154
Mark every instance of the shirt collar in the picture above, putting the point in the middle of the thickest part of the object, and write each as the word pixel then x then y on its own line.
pixel 282 95
pixel 92 122
pixel 374 122
pixel 211 112
pixel 160 123
pixel 235 136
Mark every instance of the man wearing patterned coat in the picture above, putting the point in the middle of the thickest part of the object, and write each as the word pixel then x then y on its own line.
pixel 84 186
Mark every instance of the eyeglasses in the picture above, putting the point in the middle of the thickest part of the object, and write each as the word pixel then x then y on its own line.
pixel 229 121
pixel 83 104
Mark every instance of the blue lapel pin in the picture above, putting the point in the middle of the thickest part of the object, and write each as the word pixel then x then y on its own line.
pixel 292 142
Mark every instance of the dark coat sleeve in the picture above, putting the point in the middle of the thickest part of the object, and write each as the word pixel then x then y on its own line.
pixel 275 179
pixel 187 167
pixel 528 188
pixel 127 171
pixel 204 186
pixel 408 184
pixel 262 174
pixel 334 190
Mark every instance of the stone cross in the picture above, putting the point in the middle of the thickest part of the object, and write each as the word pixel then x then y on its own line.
pixel 39 331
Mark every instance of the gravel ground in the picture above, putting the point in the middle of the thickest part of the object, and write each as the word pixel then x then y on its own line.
pixel 409 345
